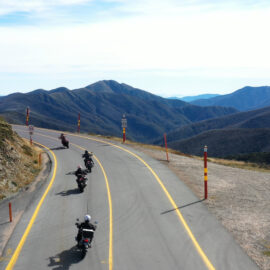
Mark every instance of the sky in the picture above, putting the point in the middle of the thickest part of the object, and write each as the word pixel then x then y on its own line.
pixel 166 47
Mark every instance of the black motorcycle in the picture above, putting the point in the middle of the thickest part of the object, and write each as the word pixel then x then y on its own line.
pixel 81 181
pixel 65 143
pixel 89 164
pixel 86 238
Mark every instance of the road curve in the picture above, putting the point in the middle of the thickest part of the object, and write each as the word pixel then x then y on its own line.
pixel 141 227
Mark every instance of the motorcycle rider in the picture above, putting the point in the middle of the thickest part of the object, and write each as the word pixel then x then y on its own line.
pixel 85 225
pixel 63 139
pixel 81 178
pixel 87 156
pixel 79 172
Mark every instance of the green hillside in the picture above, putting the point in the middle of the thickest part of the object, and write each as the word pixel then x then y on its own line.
pixel 101 106
pixel 226 142
pixel 252 119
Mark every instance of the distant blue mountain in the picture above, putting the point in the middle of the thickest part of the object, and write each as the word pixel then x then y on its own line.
pixel 245 99
pixel 192 98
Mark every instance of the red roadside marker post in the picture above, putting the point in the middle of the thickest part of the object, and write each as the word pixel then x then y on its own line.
pixel 124 125
pixel 124 135
pixel 39 160
pixel 27 116
pixel 10 212
pixel 79 123
pixel 165 140
pixel 205 173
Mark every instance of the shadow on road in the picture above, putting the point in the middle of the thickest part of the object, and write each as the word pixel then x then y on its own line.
pixel 180 207
pixel 65 259
pixel 58 148
pixel 162 160
pixel 102 145
pixel 3 223
pixel 69 192
pixel 71 173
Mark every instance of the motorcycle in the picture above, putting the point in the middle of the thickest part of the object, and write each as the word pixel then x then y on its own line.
pixel 64 141
pixel 86 238
pixel 81 181
pixel 89 164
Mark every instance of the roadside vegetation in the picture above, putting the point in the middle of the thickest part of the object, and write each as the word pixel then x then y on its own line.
pixel 18 161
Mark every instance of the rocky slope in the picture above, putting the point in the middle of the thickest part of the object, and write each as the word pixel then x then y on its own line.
pixel 18 161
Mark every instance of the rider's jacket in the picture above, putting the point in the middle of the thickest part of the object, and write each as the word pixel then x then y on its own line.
pixel 87 225
pixel 79 172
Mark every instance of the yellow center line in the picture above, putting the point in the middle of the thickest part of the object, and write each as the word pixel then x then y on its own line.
pixel 16 254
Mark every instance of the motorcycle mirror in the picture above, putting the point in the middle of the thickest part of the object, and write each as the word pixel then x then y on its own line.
pixel 77 219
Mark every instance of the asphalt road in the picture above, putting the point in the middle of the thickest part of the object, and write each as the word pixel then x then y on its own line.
pixel 133 197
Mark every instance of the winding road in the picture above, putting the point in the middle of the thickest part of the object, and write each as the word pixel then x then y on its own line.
pixel 147 218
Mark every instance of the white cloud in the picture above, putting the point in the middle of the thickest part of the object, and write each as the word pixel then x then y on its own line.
pixel 161 38
pixel 220 40
pixel 133 7
pixel 11 6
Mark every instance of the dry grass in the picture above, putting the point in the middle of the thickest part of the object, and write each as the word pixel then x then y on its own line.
pixel 30 155
pixel 266 253
pixel 241 164
pixel 20 166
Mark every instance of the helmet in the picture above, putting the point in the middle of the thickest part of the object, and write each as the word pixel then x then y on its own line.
pixel 86 152
pixel 79 167
pixel 87 218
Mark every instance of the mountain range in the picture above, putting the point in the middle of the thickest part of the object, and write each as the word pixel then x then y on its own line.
pixel 237 134
pixel 225 130
pixel 245 99
pixel 242 120
pixel 101 106
pixel 250 127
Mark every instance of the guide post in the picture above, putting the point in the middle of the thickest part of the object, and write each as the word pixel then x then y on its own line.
pixel 205 173
pixel 124 126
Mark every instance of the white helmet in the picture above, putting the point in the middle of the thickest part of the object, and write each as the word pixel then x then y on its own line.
pixel 79 167
pixel 87 218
